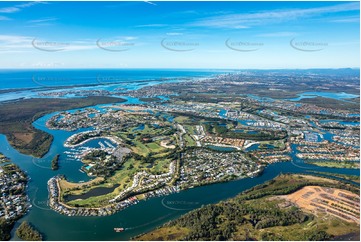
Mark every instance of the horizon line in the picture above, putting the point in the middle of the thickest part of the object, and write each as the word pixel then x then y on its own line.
pixel 169 68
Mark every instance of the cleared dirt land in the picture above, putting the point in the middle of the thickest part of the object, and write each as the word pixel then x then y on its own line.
pixel 335 202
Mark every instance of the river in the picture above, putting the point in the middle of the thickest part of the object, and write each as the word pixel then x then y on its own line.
pixel 31 82
pixel 137 219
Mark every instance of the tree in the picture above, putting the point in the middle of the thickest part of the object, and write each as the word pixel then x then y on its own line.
pixel 5 229
pixel 27 232
pixel 55 162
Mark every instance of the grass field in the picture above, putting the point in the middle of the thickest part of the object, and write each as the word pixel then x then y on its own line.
pixel 181 119
pixel 155 147
pixel 190 129
pixel 189 140
pixel 336 164
pixel 158 163
pixel 353 178
pixel 66 185
pixel 121 177
pixel 278 144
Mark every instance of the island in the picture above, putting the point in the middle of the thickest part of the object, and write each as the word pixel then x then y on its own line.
pixel 140 155
pixel 27 232
pixel 55 162
pixel 18 128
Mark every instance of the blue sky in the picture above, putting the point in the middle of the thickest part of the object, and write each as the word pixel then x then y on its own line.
pixel 234 35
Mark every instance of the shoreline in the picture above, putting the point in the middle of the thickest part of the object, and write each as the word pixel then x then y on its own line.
pixel 28 139
pixel 114 139
pixel 128 196
pixel 111 224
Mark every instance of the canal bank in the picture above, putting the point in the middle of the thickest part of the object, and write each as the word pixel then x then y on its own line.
pixel 137 219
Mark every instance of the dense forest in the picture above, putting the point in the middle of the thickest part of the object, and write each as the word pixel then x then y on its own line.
pixel 250 216
pixel 27 232
pixel 5 229
pixel 18 128
pixel 55 162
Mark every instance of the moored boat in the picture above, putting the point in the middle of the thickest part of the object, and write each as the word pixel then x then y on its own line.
pixel 118 230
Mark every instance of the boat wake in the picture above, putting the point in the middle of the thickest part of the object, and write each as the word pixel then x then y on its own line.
pixel 302 167
pixel 146 224
pixel 44 167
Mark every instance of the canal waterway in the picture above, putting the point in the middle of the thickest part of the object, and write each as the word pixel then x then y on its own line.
pixel 137 219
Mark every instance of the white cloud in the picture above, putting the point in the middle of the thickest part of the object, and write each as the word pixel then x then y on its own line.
pixel 240 27
pixel 151 3
pixel 15 39
pixel 89 46
pixel 4 18
pixel 19 7
pixel 347 20
pixel 357 43
pixel 174 34
pixel 130 37
pixel 151 25
pixel 48 64
pixel 29 4
pixel 9 10
pixel 18 43
pixel 42 20
pixel 265 17
pixel 278 34
pixel 15 43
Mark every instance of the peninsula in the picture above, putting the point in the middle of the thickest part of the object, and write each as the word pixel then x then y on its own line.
pixel 18 128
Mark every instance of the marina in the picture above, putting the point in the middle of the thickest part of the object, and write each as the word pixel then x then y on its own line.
pixel 200 194
pixel 130 214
